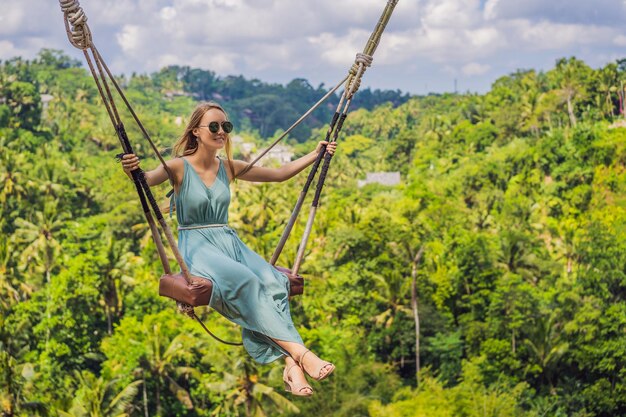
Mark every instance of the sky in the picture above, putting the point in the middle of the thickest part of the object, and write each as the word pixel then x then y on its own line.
pixel 429 45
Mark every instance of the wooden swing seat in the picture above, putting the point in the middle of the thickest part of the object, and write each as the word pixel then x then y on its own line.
pixel 198 292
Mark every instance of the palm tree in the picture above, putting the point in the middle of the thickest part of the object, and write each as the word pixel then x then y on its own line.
pixel 258 212
pixel 565 243
pixel 42 248
pixel 570 77
pixel 9 294
pixel 530 97
pixel 39 235
pixel 391 290
pixel 242 392
pixel 117 272
pixel 438 128
pixel 161 362
pixel 96 397
pixel 415 307
pixel 607 84
pixel 11 175
pixel 518 255
pixel 14 379
pixel 546 347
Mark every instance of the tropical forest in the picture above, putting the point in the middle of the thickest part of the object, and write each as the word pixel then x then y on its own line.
pixel 489 280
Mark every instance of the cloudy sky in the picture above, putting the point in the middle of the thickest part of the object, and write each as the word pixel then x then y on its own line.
pixel 427 46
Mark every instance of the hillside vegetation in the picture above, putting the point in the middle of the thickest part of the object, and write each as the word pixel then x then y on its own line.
pixel 505 241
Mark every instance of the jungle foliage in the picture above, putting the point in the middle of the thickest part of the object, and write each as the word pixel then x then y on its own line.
pixel 505 241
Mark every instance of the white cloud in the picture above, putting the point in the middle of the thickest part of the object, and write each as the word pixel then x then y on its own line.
pixel 168 13
pixel 604 12
pixel 555 36
pixel 474 68
pixel 130 39
pixel 490 12
pixel 285 39
pixel 451 13
pixel 222 63
pixel 620 40
pixel 339 50
pixel 486 37
pixel 8 49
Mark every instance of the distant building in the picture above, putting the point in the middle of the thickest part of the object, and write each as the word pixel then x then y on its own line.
pixel 245 148
pixel 175 93
pixel 45 101
pixel 618 124
pixel 383 178
pixel 280 153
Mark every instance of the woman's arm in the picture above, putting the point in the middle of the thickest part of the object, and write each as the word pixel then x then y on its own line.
pixel 283 173
pixel 130 162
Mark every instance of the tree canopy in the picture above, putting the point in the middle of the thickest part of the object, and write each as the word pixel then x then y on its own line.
pixel 490 281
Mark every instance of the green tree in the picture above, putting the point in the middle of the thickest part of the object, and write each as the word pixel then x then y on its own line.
pixel 96 397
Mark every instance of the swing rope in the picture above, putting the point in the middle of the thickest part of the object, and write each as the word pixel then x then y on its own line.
pixel 362 62
pixel 80 36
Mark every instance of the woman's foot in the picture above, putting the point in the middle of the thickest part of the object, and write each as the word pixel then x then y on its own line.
pixel 295 381
pixel 315 367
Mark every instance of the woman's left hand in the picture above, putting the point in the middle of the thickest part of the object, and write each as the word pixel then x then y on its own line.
pixel 330 147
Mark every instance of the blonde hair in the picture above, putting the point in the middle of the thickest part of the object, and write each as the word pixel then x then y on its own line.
pixel 187 143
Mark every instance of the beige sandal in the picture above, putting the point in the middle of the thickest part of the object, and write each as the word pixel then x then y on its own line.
pixel 317 375
pixel 294 388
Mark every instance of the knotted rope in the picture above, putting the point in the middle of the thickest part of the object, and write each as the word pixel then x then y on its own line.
pixel 361 63
pixel 76 24
pixel 79 35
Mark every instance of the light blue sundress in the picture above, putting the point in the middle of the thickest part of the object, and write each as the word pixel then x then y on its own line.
pixel 246 289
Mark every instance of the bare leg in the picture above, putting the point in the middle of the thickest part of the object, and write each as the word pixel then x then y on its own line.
pixel 295 350
pixel 311 362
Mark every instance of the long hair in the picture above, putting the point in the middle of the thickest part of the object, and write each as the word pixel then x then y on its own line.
pixel 187 143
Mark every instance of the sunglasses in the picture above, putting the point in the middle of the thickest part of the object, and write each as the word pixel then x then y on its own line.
pixel 214 127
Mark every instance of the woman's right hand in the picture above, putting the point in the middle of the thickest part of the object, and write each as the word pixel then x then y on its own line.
pixel 130 162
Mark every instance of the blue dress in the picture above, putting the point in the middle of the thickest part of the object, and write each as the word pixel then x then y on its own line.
pixel 246 289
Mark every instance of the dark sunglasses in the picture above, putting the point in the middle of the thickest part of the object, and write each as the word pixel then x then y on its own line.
pixel 214 127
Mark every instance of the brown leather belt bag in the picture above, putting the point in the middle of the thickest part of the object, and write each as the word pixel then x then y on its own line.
pixel 198 292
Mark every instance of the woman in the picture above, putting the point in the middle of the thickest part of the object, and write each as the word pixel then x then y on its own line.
pixel 246 289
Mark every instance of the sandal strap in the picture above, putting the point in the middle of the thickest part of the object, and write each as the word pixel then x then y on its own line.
pixel 288 369
pixel 317 377
pixel 300 387
pixel 297 387
pixel 301 361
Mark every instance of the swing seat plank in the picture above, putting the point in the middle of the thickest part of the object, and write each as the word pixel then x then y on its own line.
pixel 198 292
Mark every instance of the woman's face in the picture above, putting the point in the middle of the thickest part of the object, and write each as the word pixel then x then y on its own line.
pixel 207 138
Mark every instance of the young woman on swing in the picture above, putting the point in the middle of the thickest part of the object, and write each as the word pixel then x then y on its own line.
pixel 246 289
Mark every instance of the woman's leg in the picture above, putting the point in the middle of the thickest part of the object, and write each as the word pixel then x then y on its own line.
pixel 311 364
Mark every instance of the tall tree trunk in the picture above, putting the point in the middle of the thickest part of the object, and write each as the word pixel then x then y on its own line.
pixel 48 314
pixel 414 307
pixel 109 324
pixel 513 342
pixel 570 109
pixel 145 396
pixel 158 397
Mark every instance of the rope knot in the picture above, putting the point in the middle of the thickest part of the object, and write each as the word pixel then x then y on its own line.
pixel 185 309
pixel 361 59
pixel 354 82
pixel 76 24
